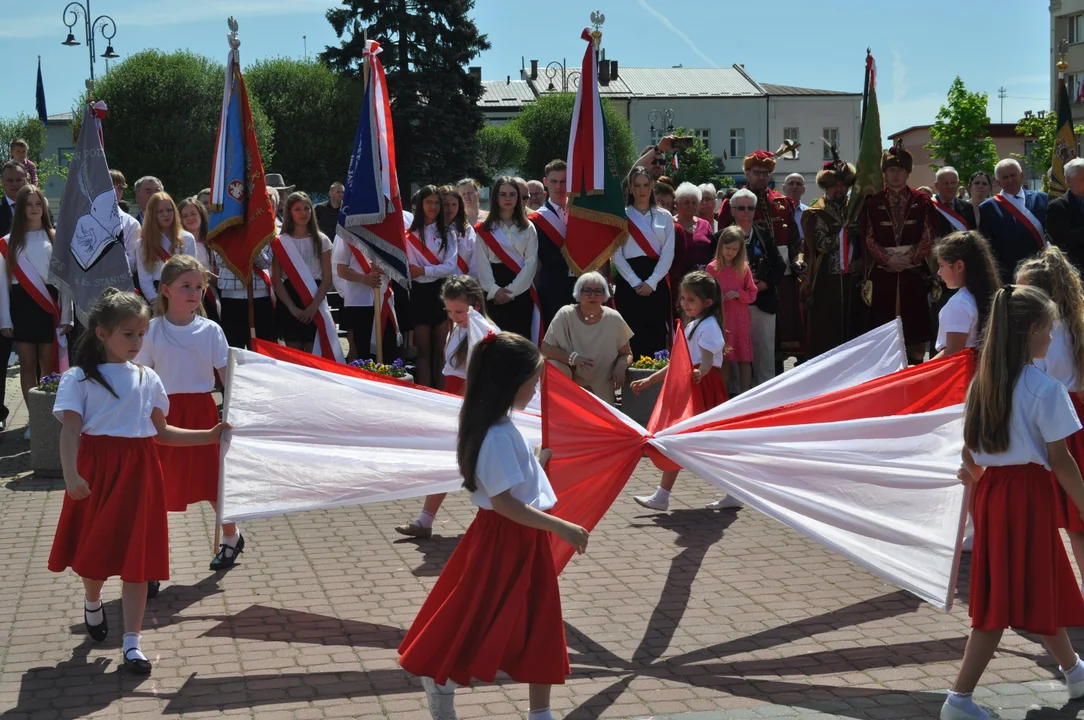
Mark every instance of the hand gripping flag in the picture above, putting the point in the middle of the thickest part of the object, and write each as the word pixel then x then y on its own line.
pixel 371 217
pixel 1064 144
pixel 242 219
pixel 596 212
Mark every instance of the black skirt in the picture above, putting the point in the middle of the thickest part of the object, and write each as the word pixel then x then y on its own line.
pixel 235 320
pixel 30 323
pixel 426 307
pixel 359 320
pixel 648 317
pixel 291 329
pixel 516 315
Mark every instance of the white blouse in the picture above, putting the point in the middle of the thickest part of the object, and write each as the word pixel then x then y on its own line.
pixel 524 242
pixel 705 335
pixel 148 276
pixel 355 294
pixel 139 391
pixel 38 252
pixel 466 247
pixel 662 224
pixel 447 255
pixel 1058 362
pixel 185 356
pixel 308 254
pixel 506 461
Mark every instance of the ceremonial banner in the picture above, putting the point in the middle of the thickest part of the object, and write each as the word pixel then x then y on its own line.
pixel 42 114
pixel 371 216
pixel 1064 144
pixel 596 224
pixel 868 178
pixel 88 249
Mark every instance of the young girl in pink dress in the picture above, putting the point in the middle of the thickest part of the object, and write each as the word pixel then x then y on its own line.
pixel 739 290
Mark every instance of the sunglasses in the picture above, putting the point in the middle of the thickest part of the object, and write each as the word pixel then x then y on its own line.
pixel 592 291
pixel 657 161
pixel 743 208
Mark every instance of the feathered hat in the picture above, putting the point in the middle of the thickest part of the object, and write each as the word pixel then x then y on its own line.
pixel 835 171
pixel 897 156
pixel 766 160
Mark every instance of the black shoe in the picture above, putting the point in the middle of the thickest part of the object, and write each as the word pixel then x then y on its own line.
pixel 97 632
pixel 227 555
pixel 135 664
pixel 152 589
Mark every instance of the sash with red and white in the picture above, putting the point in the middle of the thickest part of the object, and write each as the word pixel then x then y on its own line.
pixel 387 297
pixel 644 235
pixel 290 260
pixel 35 287
pixel 422 249
pixel 955 219
pixel 550 223
pixel 1025 218
pixel 500 246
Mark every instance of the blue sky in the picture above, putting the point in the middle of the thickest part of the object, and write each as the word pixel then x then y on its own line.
pixel 919 49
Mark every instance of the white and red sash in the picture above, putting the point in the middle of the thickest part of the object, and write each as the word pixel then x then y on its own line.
pixel 643 234
pixel 462 264
pixel 387 304
pixel 551 224
pixel 34 285
pixel 500 246
pixel 1025 218
pixel 419 245
pixel 955 219
pixel 302 281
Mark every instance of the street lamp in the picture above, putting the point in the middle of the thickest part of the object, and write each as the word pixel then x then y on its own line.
pixel 664 118
pixel 568 79
pixel 80 9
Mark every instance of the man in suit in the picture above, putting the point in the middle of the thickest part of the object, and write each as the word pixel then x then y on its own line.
pixel 145 187
pixel 1014 220
pixel 555 281
pixel 1065 216
pixel 13 176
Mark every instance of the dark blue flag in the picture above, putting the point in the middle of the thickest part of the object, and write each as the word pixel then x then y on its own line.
pixel 42 115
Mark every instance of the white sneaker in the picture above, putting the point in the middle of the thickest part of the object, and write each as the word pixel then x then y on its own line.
pixel 13 359
pixel 968 543
pixel 26 433
pixel 976 712
pixel 726 502
pixel 441 704
pixel 653 503
pixel 1074 681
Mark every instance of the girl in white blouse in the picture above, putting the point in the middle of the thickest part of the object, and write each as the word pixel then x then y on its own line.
pixel 508 292
pixel 432 253
pixel 296 319
pixel 965 264
pixel 455 218
pixel 160 238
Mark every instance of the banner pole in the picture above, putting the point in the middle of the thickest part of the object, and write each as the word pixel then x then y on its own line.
pixel 252 307
pixel 378 320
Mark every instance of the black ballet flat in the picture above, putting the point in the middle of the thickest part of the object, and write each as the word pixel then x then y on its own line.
pixel 96 632
pixel 136 665
pixel 153 586
pixel 222 561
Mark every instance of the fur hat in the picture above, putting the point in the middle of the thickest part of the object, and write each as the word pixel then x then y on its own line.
pixel 896 156
pixel 835 171
pixel 759 158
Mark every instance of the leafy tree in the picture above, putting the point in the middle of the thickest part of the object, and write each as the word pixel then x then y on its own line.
pixel 163 118
pixel 960 135
pixel 426 47
pixel 695 164
pixel 26 127
pixel 546 124
pixel 1043 129
pixel 500 148
pixel 310 108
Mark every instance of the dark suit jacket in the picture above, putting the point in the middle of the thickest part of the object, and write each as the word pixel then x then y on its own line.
pixel 1065 226
pixel 5 215
pixel 1010 240
pixel 771 269
pixel 963 209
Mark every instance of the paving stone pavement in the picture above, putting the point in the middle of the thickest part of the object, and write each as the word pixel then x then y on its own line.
pixel 688 615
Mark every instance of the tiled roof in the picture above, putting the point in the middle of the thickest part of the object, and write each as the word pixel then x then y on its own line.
pixel 62 117
pixel 687 82
pixel 791 90
pixel 502 93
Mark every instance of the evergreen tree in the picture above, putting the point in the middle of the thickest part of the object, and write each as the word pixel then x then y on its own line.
pixel 426 47
pixel 961 134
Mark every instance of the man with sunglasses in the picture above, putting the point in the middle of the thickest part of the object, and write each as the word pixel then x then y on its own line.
pixel 775 215
pixel 653 157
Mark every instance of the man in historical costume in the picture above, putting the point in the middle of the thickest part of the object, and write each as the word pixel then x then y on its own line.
pixel 775 215
pixel 898 226
pixel 1014 220
pixel 555 281
pixel 828 289
pixel 1065 216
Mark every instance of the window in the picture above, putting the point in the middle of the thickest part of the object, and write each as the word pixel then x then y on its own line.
pixel 1074 28
pixel 737 142
pixel 704 136
pixel 1073 85
pixel 832 136
pixel 791 134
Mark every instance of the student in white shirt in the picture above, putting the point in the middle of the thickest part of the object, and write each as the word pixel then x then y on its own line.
pixel 296 319
pixel 432 251
pixel 462 631
pixel 965 264
pixel 508 292
pixel 195 220
pixel 358 287
pixel 113 522
pixel 1016 422
pixel 455 218
pixel 160 239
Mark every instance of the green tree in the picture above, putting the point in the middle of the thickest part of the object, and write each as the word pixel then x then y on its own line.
pixel 500 147
pixel 960 135
pixel 26 127
pixel 695 164
pixel 1043 128
pixel 163 118
pixel 434 99
pixel 308 105
pixel 547 122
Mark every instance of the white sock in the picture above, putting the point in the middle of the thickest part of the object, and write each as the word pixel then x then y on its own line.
pixel 425 520
pixel 95 611
pixel 661 493
pixel 231 540
pixel 543 714
pixel 131 642
pixel 1075 670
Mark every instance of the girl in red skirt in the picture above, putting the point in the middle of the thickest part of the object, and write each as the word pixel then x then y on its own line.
pixel 186 350
pixel 1064 361
pixel 114 517
pixel 702 305
pixel 465 304
pixel 1015 424
pixel 496 606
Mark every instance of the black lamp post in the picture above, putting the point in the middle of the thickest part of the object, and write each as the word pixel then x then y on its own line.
pixel 80 10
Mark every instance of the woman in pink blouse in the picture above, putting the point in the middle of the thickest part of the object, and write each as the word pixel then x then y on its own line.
pixel 694 244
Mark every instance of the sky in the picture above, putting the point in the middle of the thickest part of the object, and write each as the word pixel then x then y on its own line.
pixel 919 51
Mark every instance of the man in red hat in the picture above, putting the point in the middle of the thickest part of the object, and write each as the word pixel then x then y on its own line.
pixel 899 225
pixel 775 213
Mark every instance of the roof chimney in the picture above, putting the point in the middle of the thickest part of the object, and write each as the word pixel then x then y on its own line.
pixel 613 70
pixel 475 72
pixel 534 69
pixel 603 70
pixel 508 80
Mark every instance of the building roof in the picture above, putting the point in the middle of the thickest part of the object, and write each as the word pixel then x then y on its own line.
pixel 792 90
pixel 995 130
pixel 506 94
pixel 62 117
pixel 688 82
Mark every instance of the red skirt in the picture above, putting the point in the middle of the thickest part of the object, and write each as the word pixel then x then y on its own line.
pixel 1068 514
pixel 712 389
pixel 1020 575
pixel 496 606
pixel 455 385
pixel 191 473
pixel 121 528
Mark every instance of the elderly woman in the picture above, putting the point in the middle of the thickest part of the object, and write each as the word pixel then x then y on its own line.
pixel 694 239
pixel 588 341
pixel 706 209
pixel 768 267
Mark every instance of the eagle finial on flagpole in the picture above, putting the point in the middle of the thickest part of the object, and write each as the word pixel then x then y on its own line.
pixel 597 19
pixel 234 41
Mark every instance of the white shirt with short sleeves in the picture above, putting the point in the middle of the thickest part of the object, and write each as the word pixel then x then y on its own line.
pixel 507 462
pixel 1058 362
pixel 185 356
pixel 960 315
pixel 705 334
pixel 139 391
pixel 1041 413
pixel 308 253
pixel 355 294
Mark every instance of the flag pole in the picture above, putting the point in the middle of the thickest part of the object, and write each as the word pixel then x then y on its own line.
pixel 378 292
